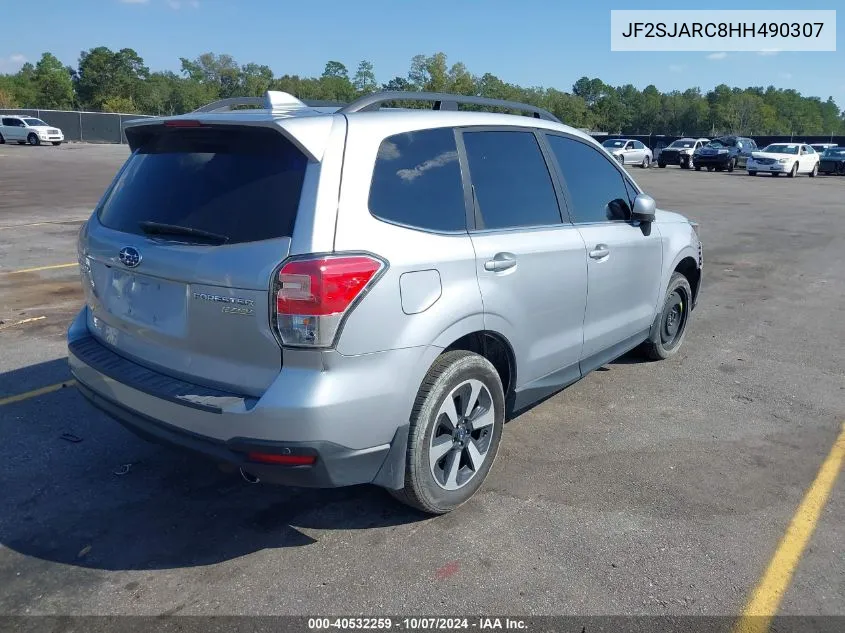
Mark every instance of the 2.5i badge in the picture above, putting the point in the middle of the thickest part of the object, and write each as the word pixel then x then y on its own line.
pixel 233 305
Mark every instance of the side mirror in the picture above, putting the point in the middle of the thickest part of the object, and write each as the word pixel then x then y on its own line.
pixel 644 208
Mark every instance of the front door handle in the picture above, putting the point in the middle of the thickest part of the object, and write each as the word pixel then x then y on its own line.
pixel 600 251
pixel 500 262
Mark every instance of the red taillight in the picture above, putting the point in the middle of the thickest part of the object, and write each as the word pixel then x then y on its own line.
pixel 183 123
pixel 319 287
pixel 282 460
pixel 312 295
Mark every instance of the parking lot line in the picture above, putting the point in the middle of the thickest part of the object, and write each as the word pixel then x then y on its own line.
pixel 21 322
pixel 767 596
pixel 36 392
pixel 38 268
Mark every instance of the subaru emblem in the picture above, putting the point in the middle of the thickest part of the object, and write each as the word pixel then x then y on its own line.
pixel 129 257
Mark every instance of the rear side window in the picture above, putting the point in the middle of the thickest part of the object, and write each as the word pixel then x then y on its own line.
pixel 417 181
pixel 242 184
pixel 598 190
pixel 512 184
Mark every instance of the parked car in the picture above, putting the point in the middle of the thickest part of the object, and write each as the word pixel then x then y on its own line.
pixel 821 147
pixel 629 151
pixel 832 161
pixel 725 152
pixel 363 317
pixel 785 158
pixel 27 129
pixel 681 152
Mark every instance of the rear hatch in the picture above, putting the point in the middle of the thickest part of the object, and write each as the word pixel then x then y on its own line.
pixel 177 259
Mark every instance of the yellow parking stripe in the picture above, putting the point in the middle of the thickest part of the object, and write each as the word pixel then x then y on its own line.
pixel 36 392
pixel 22 322
pixel 767 596
pixel 35 270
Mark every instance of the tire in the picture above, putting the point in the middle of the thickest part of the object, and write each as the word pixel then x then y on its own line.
pixel 456 375
pixel 698 168
pixel 815 171
pixel 33 139
pixel 56 143
pixel 688 164
pixel 672 328
pixel 646 162
pixel 2 140
pixel 752 173
pixel 731 164
pixel 661 165
pixel 794 171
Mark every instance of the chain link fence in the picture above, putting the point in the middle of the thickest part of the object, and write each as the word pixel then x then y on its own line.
pixel 107 127
pixel 89 127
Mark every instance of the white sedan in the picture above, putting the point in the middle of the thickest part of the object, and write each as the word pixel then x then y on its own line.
pixel 28 129
pixel 784 158
pixel 629 151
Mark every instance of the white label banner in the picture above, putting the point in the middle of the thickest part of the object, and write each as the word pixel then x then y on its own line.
pixel 732 30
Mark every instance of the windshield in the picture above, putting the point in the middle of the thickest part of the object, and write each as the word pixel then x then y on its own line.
pixel 34 122
pixel 614 143
pixel 781 149
pixel 683 144
pixel 721 142
pixel 837 152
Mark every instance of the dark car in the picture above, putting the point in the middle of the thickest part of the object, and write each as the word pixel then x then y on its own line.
pixel 725 152
pixel 833 161
pixel 681 152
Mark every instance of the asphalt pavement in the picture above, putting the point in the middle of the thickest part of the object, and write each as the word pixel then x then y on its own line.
pixel 645 488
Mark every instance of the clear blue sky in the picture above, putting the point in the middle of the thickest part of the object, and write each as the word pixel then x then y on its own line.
pixel 544 42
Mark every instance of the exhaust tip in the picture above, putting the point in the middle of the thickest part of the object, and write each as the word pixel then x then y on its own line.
pixel 249 477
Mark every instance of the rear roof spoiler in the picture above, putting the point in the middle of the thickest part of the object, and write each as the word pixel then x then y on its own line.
pixel 272 100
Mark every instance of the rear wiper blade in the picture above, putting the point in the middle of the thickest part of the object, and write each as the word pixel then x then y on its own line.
pixel 158 228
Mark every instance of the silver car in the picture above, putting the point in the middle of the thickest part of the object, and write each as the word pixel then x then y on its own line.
pixel 325 297
pixel 629 151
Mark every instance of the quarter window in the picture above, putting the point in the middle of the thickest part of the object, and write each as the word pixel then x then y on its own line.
pixel 511 181
pixel 596 187
pixel 417 181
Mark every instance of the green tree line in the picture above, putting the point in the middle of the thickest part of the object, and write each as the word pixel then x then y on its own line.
pixel 119 81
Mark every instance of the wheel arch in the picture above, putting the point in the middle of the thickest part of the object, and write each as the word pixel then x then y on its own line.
pixel 496 348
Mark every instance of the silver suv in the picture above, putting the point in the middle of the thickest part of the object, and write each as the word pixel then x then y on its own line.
pixel 335 296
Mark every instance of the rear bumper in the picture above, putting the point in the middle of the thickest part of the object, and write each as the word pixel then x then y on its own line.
pixel 334 465
pixel 351 413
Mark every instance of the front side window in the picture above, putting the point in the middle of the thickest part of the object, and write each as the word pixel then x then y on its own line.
pixel 35 122
pixel 596 187
pixel 511 181
pixel 417 181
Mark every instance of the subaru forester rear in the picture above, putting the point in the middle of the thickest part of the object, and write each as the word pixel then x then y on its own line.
pixel 319 298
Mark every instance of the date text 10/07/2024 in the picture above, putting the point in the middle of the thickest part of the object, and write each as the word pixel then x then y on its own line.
pixel 418 624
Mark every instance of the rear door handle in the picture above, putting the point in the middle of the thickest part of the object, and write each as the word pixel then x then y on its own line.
pixel 601 250
pixel 500 262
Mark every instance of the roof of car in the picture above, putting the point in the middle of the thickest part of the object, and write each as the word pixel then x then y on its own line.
pixel 286 107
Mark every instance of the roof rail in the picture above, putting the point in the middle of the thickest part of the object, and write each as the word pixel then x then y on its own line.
pixel 442 101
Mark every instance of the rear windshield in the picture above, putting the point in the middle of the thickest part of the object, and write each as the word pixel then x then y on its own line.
pixel 242 184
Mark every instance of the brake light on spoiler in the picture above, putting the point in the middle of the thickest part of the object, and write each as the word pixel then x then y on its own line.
pixel 313 295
